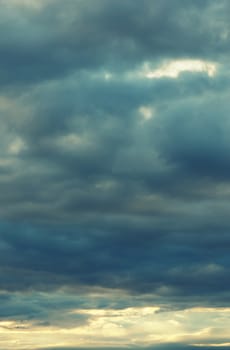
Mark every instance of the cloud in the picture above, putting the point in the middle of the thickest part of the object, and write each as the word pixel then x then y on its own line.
pixel 49 40
pixel 114 186
pixel 148 262
pixel 159 346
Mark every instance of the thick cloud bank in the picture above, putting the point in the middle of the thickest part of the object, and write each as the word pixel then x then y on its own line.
pixel 114 174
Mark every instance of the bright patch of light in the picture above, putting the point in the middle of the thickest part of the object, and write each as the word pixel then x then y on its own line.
pixel 146 113
pixel 173 69
pixel 16 146
pixel 117 327
pixel 129 312
pixel 213 345
pixel 208 309
pixel 107 76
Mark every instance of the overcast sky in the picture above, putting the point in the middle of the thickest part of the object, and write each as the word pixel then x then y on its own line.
pixel 114 174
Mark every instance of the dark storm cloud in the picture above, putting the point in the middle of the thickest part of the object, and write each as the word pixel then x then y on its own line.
pixel 197 137
pixel 169 265
pixel 138 216
pixel 87 150
pixel 92 194
pixel 40 309
pixel 56 40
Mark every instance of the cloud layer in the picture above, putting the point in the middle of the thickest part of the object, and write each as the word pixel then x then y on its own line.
pixel 114 168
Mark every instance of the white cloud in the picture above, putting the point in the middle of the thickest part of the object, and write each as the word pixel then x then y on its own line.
pixel 172 69
pixel 134 325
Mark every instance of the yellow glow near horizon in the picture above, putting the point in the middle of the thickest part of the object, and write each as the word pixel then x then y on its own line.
pixel 118 327
pixel 128 312
pixel 212 345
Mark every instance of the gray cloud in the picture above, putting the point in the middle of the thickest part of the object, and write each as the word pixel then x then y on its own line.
pixel 93 194
pixel 56 40
pixel 169 265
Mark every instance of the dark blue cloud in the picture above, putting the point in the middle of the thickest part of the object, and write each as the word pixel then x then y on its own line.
pixel 94 196
pixel 57 39
pixel 142 260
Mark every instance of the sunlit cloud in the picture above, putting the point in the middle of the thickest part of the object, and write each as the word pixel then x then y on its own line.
pixel 16 146
pixel 172 69
pixel 146 113
pixel 119 327
pixel 212 345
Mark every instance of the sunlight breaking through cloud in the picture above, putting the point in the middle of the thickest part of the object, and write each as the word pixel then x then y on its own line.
pixel 173 69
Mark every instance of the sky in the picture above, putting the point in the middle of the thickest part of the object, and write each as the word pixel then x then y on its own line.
pixel 114 174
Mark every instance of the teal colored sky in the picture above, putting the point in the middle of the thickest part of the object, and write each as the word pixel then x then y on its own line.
pixel 114 174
